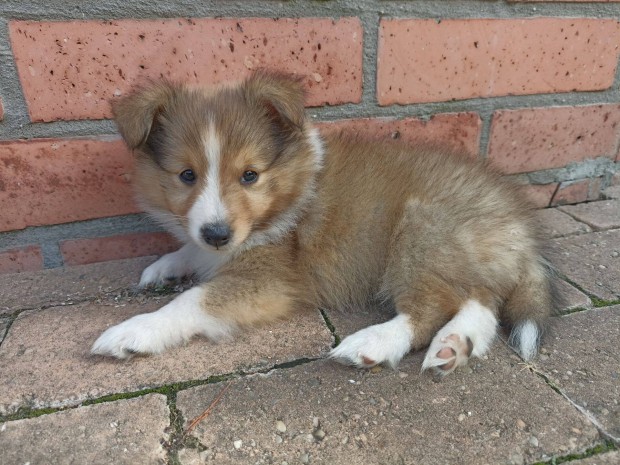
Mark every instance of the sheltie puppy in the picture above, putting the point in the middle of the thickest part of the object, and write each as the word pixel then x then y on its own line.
pixel 276 217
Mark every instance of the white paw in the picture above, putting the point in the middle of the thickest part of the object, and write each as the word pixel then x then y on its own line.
pixel 144 334
pixel 165 270
pixel 173 324
pixel 384 343
pixel 446 353
pixel 470 332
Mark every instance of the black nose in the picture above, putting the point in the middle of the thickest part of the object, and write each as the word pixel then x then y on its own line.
pixel 216 234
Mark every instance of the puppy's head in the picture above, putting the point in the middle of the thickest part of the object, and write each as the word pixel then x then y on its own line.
pixel 226 167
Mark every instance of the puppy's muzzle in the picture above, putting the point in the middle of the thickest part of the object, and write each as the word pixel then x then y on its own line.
pixel 216 234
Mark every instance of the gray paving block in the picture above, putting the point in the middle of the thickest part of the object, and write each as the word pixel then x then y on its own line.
pixel 122 432
pixel 601 215
pixel 583 361
pixel 555 223
pixel 60 286
pixel 46 361
pixel 592 261
pixel 325 413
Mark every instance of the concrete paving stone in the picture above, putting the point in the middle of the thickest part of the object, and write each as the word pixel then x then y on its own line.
pixel 609 458
pixel 4 324
pixel 592 261
pixel 601 215
pixel 582 360
pixel 59 286
pixel 122 432
pixel 50 365
pixel 325 413
pixel 572 297
pixel 612 192
pixel 556 223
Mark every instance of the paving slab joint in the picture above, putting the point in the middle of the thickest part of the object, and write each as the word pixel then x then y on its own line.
pixel 605 446
pixel 177 438
pixel 594 227
pixel 596 301
pixel 606 435
pixel 331 327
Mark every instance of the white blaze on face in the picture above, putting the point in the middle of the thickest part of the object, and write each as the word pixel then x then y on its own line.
pixel 208 207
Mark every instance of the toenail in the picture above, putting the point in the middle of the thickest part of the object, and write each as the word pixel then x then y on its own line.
pixel 470 346
pixel 368 361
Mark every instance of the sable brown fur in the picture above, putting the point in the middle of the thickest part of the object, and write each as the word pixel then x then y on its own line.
pixel 420 228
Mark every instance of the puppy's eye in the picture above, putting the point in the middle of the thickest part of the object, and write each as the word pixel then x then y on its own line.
pixel 249 177
pixel 188 177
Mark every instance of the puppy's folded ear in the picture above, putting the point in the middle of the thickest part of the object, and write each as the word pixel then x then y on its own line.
pixel 136 114
pixel 282 96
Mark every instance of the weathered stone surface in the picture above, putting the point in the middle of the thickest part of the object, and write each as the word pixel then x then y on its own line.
pixel 4 324
pixel 60 286
pixel 499 413
pixel 582 360
pixel 612 192
pixel 122 432
pixel 572 297
pixel 601 215
pixel 555 223
pixel 610 458
pixel 48 354
pixel 592 261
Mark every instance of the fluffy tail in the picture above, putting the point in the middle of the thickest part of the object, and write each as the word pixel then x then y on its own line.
pixel 529 307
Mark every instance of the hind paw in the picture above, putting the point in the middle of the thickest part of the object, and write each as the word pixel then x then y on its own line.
pixel 446 353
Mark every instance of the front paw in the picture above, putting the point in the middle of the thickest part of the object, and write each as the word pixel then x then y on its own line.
pixel 142 334
pixel 166 270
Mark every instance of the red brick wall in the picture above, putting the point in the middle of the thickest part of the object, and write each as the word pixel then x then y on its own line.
pixel 533 94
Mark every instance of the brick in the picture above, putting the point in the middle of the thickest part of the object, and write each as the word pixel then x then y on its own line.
pixel 128 431
pixel 541 138
pixel 555 223
pixel 101 249
pixel 23 259
pixel 571 192
pixel 429 60
pixel 582 362
pixel 539 194
pixel 456 131
pixel 594 188
pixel 590 261
pixel 600 215
pixel 51 181
pixel 66 286
pixel 69 70
pixel 386 416
pixel 57 342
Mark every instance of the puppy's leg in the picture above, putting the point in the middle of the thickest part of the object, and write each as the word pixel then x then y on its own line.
pixel 247 291
pixel 189 259
pixel 173 324
pixel 470 332
pixel 421 312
